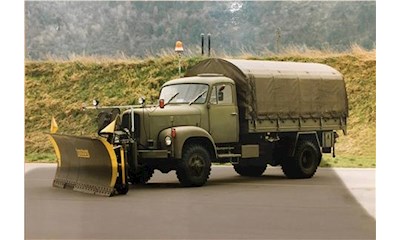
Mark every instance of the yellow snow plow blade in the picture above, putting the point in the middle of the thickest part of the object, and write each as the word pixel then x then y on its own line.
pixel 86 164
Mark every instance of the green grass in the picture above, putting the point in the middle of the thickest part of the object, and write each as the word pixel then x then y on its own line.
pixel 349 161
pixel 40 157
pixel 58 89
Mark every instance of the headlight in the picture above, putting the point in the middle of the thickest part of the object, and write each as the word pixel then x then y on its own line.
pixel 168 140
pixel 141 100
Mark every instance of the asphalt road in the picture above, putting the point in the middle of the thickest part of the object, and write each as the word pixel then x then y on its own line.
pixel 228 207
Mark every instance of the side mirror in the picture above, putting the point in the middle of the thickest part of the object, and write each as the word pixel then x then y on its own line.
pixel 220 96
pixel 220 93
pixel 161 103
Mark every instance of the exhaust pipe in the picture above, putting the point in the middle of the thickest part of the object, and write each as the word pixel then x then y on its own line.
pixel 202 44
pixel 209 44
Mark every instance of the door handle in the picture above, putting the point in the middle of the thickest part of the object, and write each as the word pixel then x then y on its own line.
pixel 234 113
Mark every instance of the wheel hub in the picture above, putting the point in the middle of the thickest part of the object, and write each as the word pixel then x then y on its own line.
pixel 196 165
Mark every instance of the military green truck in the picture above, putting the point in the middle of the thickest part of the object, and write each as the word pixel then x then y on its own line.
pixel 244 112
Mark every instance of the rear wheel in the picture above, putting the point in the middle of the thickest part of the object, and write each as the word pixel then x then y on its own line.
pixel 195 166
pixel 305 161
pixel 249 171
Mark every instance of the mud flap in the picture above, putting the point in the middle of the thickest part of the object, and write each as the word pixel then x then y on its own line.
pixel 87 164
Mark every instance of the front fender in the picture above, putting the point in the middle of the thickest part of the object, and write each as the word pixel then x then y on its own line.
pixel 184 133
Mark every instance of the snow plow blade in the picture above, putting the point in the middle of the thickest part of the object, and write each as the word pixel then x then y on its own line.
pixel 89 165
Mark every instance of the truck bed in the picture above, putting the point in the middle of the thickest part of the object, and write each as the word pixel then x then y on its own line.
pixel 284 96
pixel 296 124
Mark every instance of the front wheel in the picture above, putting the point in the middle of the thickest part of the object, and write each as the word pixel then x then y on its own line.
pixel 305 161
pixel 195 166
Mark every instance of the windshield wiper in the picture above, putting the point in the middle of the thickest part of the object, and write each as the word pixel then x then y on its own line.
pixel 172 98
pixel 197 97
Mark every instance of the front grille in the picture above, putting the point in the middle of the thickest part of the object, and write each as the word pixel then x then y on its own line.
pixel 126 123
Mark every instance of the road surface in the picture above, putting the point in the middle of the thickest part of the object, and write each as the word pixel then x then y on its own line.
pixel 228 207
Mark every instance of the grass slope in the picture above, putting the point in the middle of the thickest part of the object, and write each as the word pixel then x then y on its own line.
pixel 58 88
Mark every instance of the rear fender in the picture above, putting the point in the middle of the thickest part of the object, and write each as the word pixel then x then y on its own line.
pixel 310 136
pixel 183 135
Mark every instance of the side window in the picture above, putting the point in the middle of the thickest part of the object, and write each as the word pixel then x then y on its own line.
pixel 221 94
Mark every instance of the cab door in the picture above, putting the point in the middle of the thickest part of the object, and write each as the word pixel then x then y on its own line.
pixel 223 114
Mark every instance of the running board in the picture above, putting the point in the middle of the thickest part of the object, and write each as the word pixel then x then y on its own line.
pixel 229 155
pixel 233 157
pixel 225 148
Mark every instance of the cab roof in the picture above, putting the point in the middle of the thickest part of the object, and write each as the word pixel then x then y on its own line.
pixel 204 78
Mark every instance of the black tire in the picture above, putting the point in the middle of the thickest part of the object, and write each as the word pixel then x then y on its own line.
pixel 122 189
pixel 194 168
pixel 142 176
pixel 249 171
pixel 305 161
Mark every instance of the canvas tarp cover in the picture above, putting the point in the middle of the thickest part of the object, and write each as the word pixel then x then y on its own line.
pixel 270 90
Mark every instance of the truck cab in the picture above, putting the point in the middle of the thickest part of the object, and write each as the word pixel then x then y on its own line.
pixel 214 96
pixel 197 112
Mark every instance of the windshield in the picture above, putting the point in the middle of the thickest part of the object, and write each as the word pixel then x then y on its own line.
pixel 184 93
